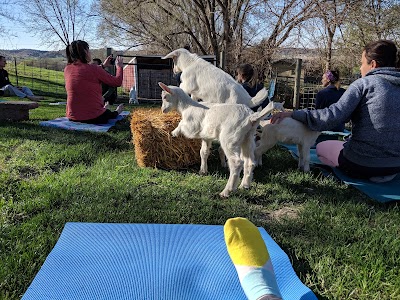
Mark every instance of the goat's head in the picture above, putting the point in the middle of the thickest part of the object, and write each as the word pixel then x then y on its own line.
pixel 175 58
pixel 169 102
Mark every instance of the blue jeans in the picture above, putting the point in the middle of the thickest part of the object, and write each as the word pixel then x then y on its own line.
pixel 10 90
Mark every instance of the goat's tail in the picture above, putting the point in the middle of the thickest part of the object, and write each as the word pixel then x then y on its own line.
pixel 259 98
pixel 257 116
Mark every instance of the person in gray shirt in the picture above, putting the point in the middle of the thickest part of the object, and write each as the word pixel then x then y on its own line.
pixel 372 103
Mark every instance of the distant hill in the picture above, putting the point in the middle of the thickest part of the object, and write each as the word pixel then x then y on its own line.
pixel 41 54
pixel 30 53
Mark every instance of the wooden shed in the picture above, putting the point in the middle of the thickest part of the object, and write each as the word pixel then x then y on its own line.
pixel 285 68
pixel 144 72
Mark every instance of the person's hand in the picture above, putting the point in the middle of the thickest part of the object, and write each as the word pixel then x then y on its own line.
pixel 278 117
pixel 107 61
pixel 119 61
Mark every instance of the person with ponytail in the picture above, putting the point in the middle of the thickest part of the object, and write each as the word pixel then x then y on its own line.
pixel 330 94
pixel 372 103
pixel 83 85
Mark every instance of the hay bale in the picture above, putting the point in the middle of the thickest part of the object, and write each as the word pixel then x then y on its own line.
pixel 154 145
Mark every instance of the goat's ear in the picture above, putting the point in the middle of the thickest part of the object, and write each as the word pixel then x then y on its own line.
pixel 165 87
pixel 172 55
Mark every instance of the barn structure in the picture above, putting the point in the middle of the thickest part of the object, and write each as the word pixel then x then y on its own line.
pixel 144 72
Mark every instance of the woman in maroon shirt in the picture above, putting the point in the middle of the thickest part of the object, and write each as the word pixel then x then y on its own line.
pixel 83 85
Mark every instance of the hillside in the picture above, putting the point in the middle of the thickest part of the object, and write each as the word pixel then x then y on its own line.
pixel 41 54
pixel 30 53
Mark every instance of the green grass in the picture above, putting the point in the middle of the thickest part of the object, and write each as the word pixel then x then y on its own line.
pixel 42 82
pixel 341 244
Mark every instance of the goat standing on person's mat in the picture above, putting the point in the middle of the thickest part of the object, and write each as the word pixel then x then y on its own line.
pixel 233 125
pixel 288 131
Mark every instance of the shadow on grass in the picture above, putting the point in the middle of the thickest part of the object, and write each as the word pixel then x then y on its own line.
pixel 115 139
pixel 26 80
pixel 58 95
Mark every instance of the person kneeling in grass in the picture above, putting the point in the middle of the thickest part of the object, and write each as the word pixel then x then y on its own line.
pixel 11 90
pixel 83 85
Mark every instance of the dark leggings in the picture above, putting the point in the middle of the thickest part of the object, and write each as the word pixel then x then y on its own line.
pixel 357 171
pixel 102 119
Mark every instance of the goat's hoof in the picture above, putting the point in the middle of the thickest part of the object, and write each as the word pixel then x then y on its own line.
pixel 203 172
pixel 224 194
pixel 244 186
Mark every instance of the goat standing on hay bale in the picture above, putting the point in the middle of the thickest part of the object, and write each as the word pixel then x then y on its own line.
pixel 233 125
pixel 202 80
pixel 153 144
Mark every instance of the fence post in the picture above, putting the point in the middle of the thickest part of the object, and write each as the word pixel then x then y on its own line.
pixel 16 72
pixel 296 93
pixel 110 70
pixel 222 60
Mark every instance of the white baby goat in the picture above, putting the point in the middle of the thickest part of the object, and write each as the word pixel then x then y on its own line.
pixel 233 125
pixel 202 80
pixel 289 131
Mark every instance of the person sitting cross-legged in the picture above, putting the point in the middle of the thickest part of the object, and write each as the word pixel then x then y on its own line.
pixel 83 85
pixel 9 89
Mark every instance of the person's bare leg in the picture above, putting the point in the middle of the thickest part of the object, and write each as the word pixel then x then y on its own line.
pixel 120 108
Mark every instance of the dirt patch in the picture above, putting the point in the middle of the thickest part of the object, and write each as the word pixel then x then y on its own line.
pixel 288 212
pixel 283 213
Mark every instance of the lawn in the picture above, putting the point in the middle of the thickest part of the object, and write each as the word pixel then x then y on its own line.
pixel 341 244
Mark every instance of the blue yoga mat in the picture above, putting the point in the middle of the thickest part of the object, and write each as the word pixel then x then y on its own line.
pixel 64 123
pixel 150 261
pixel 381 192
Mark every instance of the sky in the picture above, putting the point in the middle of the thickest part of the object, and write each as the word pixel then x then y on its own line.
pixel 21 39
pixel 18 38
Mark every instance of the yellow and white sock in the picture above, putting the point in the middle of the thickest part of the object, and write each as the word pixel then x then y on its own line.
pixel 250 256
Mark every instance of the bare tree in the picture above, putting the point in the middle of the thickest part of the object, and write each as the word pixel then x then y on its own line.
pixel 279 21
pixel 369 21
pixel 209 26
pixel 375 19
pixel 58 21
pixel 333 14
pixel 5 14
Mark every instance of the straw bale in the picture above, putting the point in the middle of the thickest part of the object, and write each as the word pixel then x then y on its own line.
pixel 154 145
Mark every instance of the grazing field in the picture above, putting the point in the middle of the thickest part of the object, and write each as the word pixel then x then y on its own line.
pixel 341 244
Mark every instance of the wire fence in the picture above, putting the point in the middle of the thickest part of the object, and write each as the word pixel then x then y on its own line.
pixel 45 77
pixel 309 87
